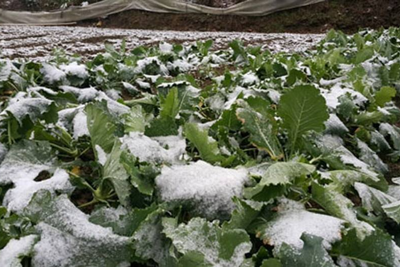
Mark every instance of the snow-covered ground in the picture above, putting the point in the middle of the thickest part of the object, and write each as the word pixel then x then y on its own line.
pixel 38 42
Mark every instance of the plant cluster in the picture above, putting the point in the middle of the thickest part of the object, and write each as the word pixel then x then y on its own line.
pixel 185 156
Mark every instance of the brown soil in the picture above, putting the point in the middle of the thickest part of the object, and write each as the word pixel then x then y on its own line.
pixel 345 15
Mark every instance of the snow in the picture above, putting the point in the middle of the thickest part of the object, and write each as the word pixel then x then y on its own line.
pixel 69 239
pixel 13 170
pixel 18 197
pixel 292 220
pixel 27 106
pixel 274 95
pixel 39 42
pixel 90 94
pixel 75 69
pixel 332 96
pixel 15 250
pixel 249 78
pixel 52 74
pixel 101 155
pixel 3 152
pixel 209 189
pixel 167 149
pixel 348 158
pixel 80 125
pixel 335 126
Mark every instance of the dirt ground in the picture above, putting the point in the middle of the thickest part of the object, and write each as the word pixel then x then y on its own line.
pixel 345 15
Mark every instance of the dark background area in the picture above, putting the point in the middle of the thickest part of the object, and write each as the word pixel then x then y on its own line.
pixel 348 16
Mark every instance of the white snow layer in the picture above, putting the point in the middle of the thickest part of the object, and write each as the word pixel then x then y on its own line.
pixel 19 197
pixel 80 125
pixel 52 74
pixel 208 188
pixel 293 220
pixel 11 254
pixel 3 152
pixel 75 69
pixel 68 239
pixel 157 150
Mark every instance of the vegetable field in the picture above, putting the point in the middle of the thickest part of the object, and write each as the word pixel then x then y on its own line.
pixel 187 155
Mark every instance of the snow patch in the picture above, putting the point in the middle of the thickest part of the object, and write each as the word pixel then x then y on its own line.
pixel 209 189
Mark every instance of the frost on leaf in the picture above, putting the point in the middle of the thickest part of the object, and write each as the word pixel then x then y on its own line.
pixel 26 160
pixel 209 244
pixel 292 220
pixel 12 254
pixel 205 188
pixel 312 254
pixel 67 238
pixel 155 150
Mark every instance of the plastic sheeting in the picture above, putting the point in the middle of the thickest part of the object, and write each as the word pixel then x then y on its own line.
pixel 108 7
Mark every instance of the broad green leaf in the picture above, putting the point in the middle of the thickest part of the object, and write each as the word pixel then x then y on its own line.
pixel 364 54
pixel 302 109
pixel 393 210
pixel 262 133
pixel 138 179
pixel 170 106
pixel 376 249
pixel 275 179
pixel 150 243
pixel 285 172
pixel 217 245
pixel 312 254
pixel 122 221
pixel 244 214
pixel 101 126
pixel 374 200
pixel 384 95
pixel 135 120
pixel 12 254
pixel 338 205
pixel 162 127
pixel 115 172
pixel 271 263
pixel 207 147
pixel 67 238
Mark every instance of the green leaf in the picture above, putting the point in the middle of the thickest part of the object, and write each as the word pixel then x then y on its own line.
pixel 170 106
pixel 302 109
pixel 216 245
pixel 262 133
pixel 271 263
pixel 338 205
pixel 312 254
pixel 376 249
pixel 384 95
pixel 244 214
pixel 135 120
pixel 101 126
pixel 138 179
pixel 207 147
pixel 393 210
pixel 285 172
pixel 115 172
pixel 150 243
pixel 364 54
pixel 162 127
